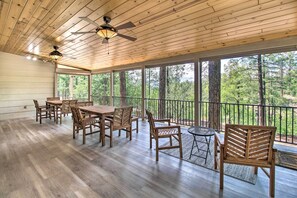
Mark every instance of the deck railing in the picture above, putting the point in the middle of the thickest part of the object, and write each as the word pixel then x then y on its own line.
pixel 182 112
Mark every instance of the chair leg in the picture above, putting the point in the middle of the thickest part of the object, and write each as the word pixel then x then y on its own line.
pixel 272 180
pixel 180 146
pixel 120 132
pixel 130 131
pixel 157 149
pixel 256 170
pixel 137 126
pixel 84 134
pixel 221 170
pixel 40 118
pixel 110 138
pixel 151 141
pixel 36 116
pixel 170 139
pixel 73 131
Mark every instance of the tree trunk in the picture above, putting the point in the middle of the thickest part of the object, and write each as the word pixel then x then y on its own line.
pixel 214 74
pixel 123 90
pixel 71 87
pixel 105 98
pixel 261 91
pixel 162 92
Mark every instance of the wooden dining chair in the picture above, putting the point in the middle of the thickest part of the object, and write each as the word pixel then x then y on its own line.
pixel 121 120
pixel 82 123
pixel 65 109
pixel 41 111
pixel 51 107
pixel 159 132
pixel 251 146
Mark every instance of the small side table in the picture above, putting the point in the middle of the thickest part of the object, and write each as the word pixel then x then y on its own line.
pixel 205 132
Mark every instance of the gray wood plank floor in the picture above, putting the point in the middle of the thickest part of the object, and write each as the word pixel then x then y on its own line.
pixel 44 161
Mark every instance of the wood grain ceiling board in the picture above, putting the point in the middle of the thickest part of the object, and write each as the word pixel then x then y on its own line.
pixel 164 28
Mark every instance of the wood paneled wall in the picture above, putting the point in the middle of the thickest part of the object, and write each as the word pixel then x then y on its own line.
pixel 21 81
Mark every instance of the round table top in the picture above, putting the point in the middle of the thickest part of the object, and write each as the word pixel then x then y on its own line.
pixel 201 131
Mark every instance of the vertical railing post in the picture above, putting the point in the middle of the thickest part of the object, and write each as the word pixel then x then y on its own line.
pixel 143 92
pixel 90 87
pixel 197 90
pixel 111 88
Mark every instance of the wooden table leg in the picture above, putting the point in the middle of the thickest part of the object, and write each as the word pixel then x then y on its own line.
pixel 102 129
pixel 56 114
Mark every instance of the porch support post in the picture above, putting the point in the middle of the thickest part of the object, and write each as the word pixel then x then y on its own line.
pixel 55 81
pixel 90 87
pixel 111 88
pixel 143 92
pixel 197 91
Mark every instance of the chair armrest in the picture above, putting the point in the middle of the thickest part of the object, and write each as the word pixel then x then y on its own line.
pixel 163 120
pixel 220 138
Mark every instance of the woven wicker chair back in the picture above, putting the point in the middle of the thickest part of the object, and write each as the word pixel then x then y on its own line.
pixel 36 104
pixel 67 104
pixel 52 98
pixel 249 144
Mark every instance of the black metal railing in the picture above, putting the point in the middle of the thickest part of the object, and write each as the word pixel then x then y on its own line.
pixel 217 114
pixel 282 117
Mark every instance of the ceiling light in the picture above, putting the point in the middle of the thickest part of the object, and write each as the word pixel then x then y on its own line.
pixel 107 31
pixel 34 59
pixel 28 57
pixel 55 55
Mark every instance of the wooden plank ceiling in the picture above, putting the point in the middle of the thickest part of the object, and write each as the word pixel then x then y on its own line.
pixel 164 28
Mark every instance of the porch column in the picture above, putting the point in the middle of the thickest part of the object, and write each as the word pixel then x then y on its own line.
pixel 90 87
pixel 111 88
pixel 143 92
pixel 197 91
pixel 55 81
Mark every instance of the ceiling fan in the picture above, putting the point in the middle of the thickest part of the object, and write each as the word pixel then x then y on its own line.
pixel 55 55
pixel 107 31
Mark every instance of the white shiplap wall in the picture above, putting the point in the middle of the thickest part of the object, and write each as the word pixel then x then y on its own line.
pixel 21 81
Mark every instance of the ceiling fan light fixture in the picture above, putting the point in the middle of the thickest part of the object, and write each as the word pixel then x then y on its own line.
pixel 55 55
pixel 107 32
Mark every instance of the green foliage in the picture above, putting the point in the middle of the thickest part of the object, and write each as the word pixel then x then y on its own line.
pixel 79 87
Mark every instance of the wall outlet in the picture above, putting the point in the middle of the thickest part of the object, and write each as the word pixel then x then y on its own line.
pixel 25 107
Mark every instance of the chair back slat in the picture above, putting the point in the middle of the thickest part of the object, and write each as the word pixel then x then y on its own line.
pixel 249 143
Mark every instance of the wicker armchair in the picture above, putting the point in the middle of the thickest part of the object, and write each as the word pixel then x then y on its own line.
pixel 164 132
pixel 41 111
pixel 248 145
pixel 81 123
pixel 65 109
pixel 121 120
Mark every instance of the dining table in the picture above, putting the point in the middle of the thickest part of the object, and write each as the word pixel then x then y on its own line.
pixel 102 111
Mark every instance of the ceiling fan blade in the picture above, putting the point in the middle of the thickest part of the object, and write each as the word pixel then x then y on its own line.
pixel 127 37
pixel 104 41
pixel 126 25
pixel 90 21
pixel 83 32
pixel 68 56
